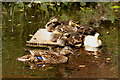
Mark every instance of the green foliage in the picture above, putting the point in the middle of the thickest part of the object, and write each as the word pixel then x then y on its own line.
pixel 84 10
pixel 116 7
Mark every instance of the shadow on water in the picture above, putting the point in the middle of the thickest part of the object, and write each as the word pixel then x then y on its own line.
pixel 17 25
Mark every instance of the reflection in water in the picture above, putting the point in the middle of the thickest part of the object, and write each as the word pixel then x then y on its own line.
pixel 15 34
pixel 91 48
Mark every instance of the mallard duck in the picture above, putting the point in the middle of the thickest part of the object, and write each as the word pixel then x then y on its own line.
pixel 92 41
pixel 50 57
pixel 43 57
pixel 76 38
pixel 62 40
pixel 71 39
pixel 53 22
pixel 65 28
pixel 87 30
pixel 74 23
pixel 56 34
pixel 28 58
pixel 67 50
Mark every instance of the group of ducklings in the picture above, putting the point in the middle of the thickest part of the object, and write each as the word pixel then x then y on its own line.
pixel 67 35
pixel 72 33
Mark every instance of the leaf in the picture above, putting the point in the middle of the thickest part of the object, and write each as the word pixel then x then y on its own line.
pixel 27 41
pixel 108 59
pixel 59 8
pixel 21 10
pixel 116 7
pixel 82 66
pixel 50 67
pixel 83 3
pixel 82 9
pixel 66 3
pixel 53 8
pixel 43 7
pixel 30 35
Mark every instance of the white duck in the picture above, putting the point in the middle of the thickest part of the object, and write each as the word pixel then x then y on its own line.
pixel 92 41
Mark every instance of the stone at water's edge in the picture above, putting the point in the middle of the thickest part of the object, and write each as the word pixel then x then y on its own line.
pixel 41 37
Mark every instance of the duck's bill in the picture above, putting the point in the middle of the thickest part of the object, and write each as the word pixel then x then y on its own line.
pixel 23 60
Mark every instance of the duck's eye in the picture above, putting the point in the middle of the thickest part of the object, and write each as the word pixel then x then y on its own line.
pixel 68 35
pixel 35 38
pixel 59 30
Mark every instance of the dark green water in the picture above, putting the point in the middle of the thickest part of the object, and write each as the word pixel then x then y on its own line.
pixel 16 27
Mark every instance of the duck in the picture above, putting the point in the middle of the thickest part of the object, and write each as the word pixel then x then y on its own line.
pixel 67 50
pixel 43 57
pixel 53 22
pixel 92 41
pixel 86 30
pixel 50 57
pixel 82 29
pixel 28 58
pixel 71 39
pixel 56 34
pixel 74 23
pixel 75 38
pixel 65 28
pixel 62 40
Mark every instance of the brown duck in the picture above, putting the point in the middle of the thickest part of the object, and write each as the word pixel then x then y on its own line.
pixel 53 22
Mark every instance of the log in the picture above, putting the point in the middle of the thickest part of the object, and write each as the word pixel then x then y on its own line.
pixel 41 39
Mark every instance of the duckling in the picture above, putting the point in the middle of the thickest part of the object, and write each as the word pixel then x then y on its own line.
pixel 68 29
pixel 56 34
pixel 53 22
pixel 92 41
pixel 66 50
pixel 72 38
pixel 87 30
pixel 76 37
pixel 62 40
pixel 65 28
pixel 65 40
pixel 74 23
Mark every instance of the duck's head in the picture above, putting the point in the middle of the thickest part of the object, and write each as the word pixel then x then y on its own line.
pixel 67 50
pixel 66 35
pixel 96 35
pixel 98 40
pixel 73 23
pixel 59 28
pixel 53 19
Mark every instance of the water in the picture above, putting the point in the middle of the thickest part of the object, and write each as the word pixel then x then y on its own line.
pixel 17 25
